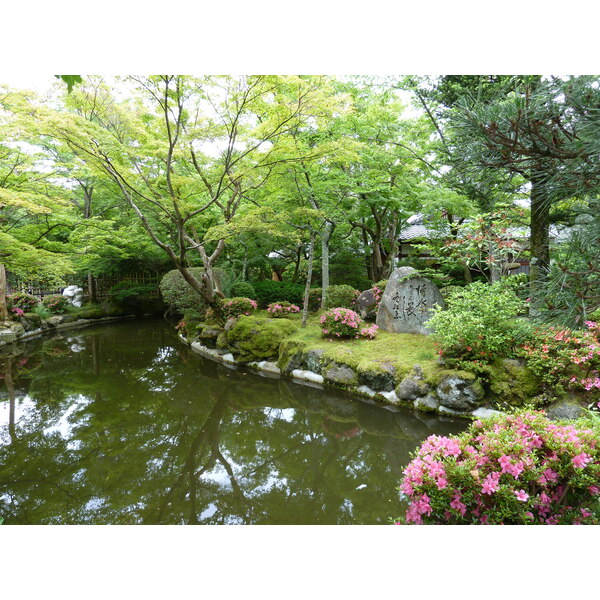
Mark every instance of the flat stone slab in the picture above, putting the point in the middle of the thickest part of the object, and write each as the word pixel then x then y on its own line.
pixel 408 302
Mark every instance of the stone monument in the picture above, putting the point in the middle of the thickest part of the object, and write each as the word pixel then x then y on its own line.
pixel 74 294
pixel 407 302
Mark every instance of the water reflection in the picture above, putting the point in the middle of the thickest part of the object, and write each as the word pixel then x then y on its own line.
pixel 123 424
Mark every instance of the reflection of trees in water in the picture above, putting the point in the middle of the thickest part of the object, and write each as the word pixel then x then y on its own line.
pixel 133 428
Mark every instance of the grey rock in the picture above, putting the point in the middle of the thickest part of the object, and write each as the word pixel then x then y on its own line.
pixel 341 374
pixel 411 388
pixel 54 321
pixel 564 409
pixel 428 403
pixel 294 364
pixel 484 413
pixel 460 394
pixel 367 304
pixel 407 302
pixel 74 294
pixel 229 324
pixel 313 360
pixel 378 380
pixel 209 336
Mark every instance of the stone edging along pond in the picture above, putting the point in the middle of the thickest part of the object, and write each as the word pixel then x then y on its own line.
pixel 458 393
pixel 52 325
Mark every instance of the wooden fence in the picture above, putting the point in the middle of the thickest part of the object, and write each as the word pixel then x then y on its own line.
pixel 102 285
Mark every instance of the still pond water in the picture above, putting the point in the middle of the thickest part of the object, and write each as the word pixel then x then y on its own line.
pixel 123 424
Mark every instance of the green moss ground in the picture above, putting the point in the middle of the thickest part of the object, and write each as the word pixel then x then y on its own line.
pixel 401 350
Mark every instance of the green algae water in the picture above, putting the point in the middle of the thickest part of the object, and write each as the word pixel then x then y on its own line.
pixel 123 424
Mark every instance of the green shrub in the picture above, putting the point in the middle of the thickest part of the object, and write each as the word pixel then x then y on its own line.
pixel 180 296
pixel 243 289
pixel 518 469
pixel 278 291
pixel 479 324
pixel 25 302
pixel 341 296
pixel 56 304
pixel 130 293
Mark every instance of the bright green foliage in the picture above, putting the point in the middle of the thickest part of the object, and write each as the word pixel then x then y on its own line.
pixel 256 338
pixel 343 296
pixel 244 289
pixel 479 324
pixel 56 304
pixel 278 291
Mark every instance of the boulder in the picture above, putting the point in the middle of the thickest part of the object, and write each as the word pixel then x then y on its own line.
pixel 338 373
pixel 565 409
pixel 380 379
pixel 407 302
pixel 460 393
pixel 412 386
pixel 367 304
pixel 313 359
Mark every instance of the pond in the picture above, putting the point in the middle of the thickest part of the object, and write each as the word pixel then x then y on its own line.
pixel 124 424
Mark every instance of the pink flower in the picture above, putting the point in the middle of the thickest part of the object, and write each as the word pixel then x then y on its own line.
pixel 581 460
pixel 522 495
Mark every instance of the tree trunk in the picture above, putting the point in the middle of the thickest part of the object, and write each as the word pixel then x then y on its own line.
pixel 311 253
pixel 539 242
pixel 92 288
pixel 3 308
pixel 325 239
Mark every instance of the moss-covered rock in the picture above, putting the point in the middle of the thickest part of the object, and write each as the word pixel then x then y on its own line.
pixel 290 355
pixel 258 338
pixel 209 335
pixel 512 384
pixel 377 376
pixel 340 374
pixel 460 393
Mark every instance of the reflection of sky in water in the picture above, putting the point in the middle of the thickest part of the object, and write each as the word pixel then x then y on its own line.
pixel 62 426
pixel 279 414
pixel 167 382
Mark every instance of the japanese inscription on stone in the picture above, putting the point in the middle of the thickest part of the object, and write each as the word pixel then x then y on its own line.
pixel 407 302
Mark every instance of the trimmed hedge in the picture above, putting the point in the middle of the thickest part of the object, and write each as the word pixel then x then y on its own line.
pixel 268 292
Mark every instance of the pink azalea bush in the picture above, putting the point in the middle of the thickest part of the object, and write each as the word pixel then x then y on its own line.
pixel 510 469
pixel 56 304
pixel 16 313
pixel 345 323
pixel 282 309
pixel 234 307
pixel 25 302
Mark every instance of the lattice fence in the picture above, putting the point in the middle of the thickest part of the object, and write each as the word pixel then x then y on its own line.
pixel 102 284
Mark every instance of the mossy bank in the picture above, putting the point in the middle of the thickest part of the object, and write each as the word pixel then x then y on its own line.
pixel 394 368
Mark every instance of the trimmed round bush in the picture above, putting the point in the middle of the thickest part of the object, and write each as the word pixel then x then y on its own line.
pixel 341 323
pixel 282 309
pixel 341 296
pixel 234 307
pixel 511 469
pixel 26 302
pixel 242 289
pixel 180 296
pixel 56 304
